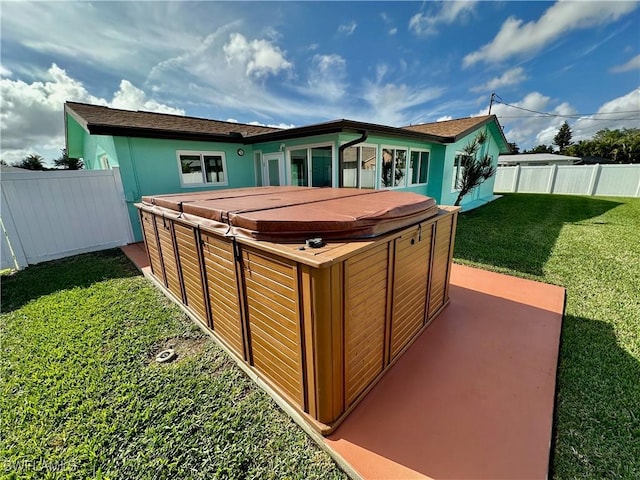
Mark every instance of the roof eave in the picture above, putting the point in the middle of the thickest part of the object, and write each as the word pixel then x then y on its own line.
pixel 504 148
pixel 342 127
pixel 97 129
pixel 76 116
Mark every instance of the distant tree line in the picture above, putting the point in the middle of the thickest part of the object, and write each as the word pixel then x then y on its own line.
pixel 33 161
pixel 617 146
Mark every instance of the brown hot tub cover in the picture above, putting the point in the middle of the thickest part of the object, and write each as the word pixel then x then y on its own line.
pixel 297 213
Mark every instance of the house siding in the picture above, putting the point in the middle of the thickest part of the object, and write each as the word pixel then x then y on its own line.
pixel 448 195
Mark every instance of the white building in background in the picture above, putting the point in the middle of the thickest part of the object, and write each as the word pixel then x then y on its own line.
pixel 532 159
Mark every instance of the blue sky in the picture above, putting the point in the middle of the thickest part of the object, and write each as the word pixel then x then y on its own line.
pixel 296 63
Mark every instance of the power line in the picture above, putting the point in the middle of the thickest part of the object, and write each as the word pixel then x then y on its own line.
pixel 578 118
pixel 549 114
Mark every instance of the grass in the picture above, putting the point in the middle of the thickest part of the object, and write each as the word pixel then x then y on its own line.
pixel 591 246
pixel 82 397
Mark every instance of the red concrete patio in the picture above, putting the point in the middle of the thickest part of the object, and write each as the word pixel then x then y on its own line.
pixel 472 398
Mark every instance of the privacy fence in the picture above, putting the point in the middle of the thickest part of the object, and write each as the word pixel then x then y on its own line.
pixel 601 180
pixel 54 214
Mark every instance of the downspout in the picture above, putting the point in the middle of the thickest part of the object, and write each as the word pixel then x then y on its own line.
pixel 341 150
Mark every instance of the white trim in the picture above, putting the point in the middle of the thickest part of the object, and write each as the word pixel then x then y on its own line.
pixel 411 150
pixel 203 153
pixel 266 157
pixel 406 169
pixel 454 189
pixel 308 147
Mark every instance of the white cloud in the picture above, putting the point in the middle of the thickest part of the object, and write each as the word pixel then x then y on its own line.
pixel 444 118
pixel 5 72
pixel 391 29
pixel 259 57
pixel 31 113
pixel 131 35
pixel 327 76
pixel 390 102
pixel 516 37
pixel 512 76
pixel 621 112
pixel 446 13
pixel 347 28
pixel 273 125
pixel 633 64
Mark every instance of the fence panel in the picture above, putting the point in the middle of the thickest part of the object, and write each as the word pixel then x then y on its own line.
pixel 505 179
pixel 619 180
pixel 603 180
pixel 574 179
pixel 534 179
pixel 62 213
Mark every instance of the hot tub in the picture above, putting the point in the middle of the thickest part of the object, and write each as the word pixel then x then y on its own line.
pixel 320 321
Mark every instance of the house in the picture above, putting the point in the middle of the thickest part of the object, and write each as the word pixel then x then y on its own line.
pixel 159 153
pixel 533 159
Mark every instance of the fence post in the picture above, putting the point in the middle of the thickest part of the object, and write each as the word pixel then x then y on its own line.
pixel 593 184
pixel 552 178
pixel 516 179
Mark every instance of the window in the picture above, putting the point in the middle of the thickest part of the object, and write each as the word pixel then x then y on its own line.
pixel 299 168
pixel 418 167
pixel 359 167
pixel 394 166
pixel 202 168
pixel 311 166
pixel 459 163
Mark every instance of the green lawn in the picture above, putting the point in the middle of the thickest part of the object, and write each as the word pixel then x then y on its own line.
pixel 591 246
pixel 82 397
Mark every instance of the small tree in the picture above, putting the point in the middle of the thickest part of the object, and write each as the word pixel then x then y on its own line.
pixel 68 163
pixel 563 137
pixel 31 162
pixel 540 149
pixel 475 171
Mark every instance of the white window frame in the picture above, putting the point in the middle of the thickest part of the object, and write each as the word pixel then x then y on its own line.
pixel 458 171
pixel 202 154
pixel 308 148
pixel 420 150
pixel 376 181
pixel 406 168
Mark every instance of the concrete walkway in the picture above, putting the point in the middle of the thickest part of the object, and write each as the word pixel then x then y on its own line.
pixel 473 397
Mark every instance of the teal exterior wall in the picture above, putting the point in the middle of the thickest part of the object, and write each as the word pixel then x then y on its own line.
pixel 448 195
pixel 150 167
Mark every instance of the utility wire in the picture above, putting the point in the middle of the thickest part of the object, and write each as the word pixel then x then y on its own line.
pixel 500 100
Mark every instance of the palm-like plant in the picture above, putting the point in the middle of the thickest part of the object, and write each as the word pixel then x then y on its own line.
pixel 475 171
pixel 68 163
pixel 32 161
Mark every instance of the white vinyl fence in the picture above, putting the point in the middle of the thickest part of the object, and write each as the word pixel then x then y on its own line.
pixel 602 180
pixel 55 214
